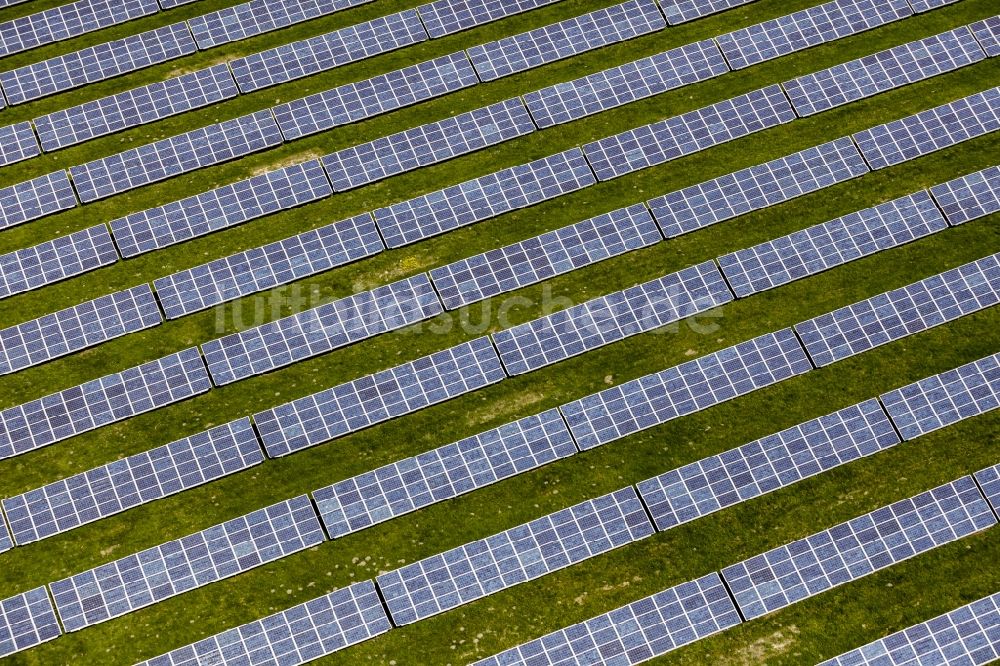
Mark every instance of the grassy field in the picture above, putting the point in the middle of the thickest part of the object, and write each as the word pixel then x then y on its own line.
pixel 820 627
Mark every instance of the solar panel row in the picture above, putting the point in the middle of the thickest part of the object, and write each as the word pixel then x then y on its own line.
pixel 18 142
pixel 987 32
pixel 68 21
pixel 682 11
pixel 27 620
pixel 10 3
pixel 969 197
pixel 36 198
pixel 54 260
pixel 927 5
pixel 445 17
pixel 6 543
pixel 170 4
pixel 231 24
pixel 989 482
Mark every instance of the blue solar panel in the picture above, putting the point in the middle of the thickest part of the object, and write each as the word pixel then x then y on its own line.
pixel 482 198
pixel 611 318
pixel 767 464
pixel 364 99
pixel 54 260
pixel 969 197
pixel 18 142
pixel 102 401
pixel 566 38
pixel 626 83
pixel 363 402
pixel 542 257
pixel 684 389
pixel 404 486
pixel 5 541
pixel 927 5
pixel 681 11
pixel 757 187
pixel 428 144
pixel 220 208
pixel 27 620
pixel 445 17
pixel 320 329
pixel 632 634
pixel 130 482
pixel 902 312
pixel 152 575
pixel 478 569
pixel 806 28
pixel 170 4
pixel 858 547
pixel 987 32
pixel 265 267
pixel 36 198
pixel 256 17
pixel 10 3
pixel 824 246
pixel 688 133
pixel 78 327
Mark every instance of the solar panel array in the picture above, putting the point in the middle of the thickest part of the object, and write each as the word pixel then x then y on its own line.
pixel 632 634
pixel 566 38
pixel 445 17
pixel 10 3
pixel 78 327
pixel 54 260
pixel 969 197
pixel 526 552
pixel 927 5
pixel 27 620
pixel 545 256
pixel 931 130
pixel 5 541
pixel 689 133
pixel 818 248
pixel 35 198
pixel 320 329
pixel 684 389
pixel 682 11
pixel 68 21
pixel 222 207
pixel 150 576
pixel 626 83
pixel 18 142
pixel 135 107
pixel 355 101
pixel 130 482
pixel 101 401
pixel 427 144
pixel 858 547
pixel 611 318
pixel 256 17
pixel 265 267
pixel 989 482
pixel 902 312
pixel 987 32
pixel 883 71
pixel 767 464
pixel 170 4
pixel 806 28
pixel 943 399
pixel 757 187
pixel 375 398
pixel 404 486
pixel 301 633
pixel 481 198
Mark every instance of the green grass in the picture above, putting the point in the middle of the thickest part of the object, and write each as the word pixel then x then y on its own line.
pixel 820 627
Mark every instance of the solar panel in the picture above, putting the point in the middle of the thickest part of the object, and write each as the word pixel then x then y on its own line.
pixel 256 17
pixel 682 11
pixel 68 21
pixel 885 70
pixel 321 329
pixel 632 634
pixel 452 470
pixel 265 267
pixel 807 28
pixel 17 142
pixel 176 155
pixel 684 389
pixel 78 327
pixel 989 482
pixel 220 208
pixel 611 318
pixel 586 32
pixel 858 547
pixel 133 481
pixel 294 636
pixel 969 197
pixel 899 313
pixel 96 63
pixel 170 4
pixel 526 552
pixel 927 5
pixel 542 257
pixel 928 131
pixel 757 187
pixel 10 3
pixel 428 144
pixel 318 54
pixel 767 464
pixel 482 198
pixel 379 397
pixel 446 17
pixel 626 83
pixel 987 32
pixel 688 133
pixel 5 541
pixel 941 400
pixel 135 107
pixel 824 246
pixel 27 620
pixel 380 94
pixel 152 575
pixel 966 635
pixel 101 401
pixel 54 260
pixel 36 198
